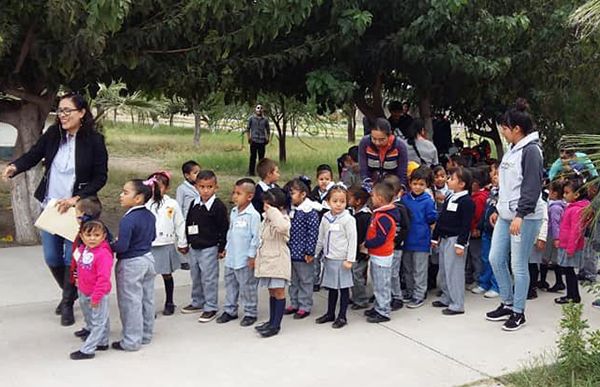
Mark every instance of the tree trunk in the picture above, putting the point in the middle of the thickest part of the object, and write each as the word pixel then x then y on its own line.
pixel 351 113
pixel 115 116
pixel 425 113
pixel 29 120
pixel 375 109
pixel 197 121
pixel 171 119
pixel 493 135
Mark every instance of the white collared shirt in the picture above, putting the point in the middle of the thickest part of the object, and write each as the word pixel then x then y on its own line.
pixel 134 208
pixel 208 203
pixel 265 187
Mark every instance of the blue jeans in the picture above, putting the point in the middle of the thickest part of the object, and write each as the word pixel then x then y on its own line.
pixel 487 280
pixel 57 250
pixel 517 249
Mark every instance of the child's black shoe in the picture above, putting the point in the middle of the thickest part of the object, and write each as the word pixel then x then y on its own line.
pixel 543 285
pixel 358 307
pixel 324 319
pixel 397 304
pixel 339 323
pixel 270 331
pixel 557 288
pixel 532 294
pixel 78 355
pixel 370 312
pixel 169 309
pixel 300 314
pixel 82 333
pixel 377 318
pixel 262 326
pixel 438 304
pixel 102 348
pixel 117 345
pixel 566 300
pixel 450 312
pixel 247 321
pixel 225 318
pixel 290 310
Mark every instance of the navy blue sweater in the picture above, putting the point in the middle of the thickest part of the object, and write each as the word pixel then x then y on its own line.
pixel 455 223
pixel 137 230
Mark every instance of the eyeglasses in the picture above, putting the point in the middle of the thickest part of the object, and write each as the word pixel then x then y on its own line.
pixel 65 112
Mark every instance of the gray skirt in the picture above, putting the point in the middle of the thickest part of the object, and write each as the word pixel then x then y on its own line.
pixel 272 283
pixel 166 259
pixel 551 253
pixel 335 276
pixel 536 255
pixel 574 261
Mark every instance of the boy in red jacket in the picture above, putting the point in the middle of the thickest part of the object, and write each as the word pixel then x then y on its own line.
pixel 479 194
pixel 380 244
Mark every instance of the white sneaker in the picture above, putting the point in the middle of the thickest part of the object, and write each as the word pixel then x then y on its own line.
pixel 491 294
pixel 478 290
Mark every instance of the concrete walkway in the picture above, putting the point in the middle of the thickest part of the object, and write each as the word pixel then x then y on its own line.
pixel 417 348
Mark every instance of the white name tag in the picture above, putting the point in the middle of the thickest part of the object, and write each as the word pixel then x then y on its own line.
pixel 452 206
pixel 334 227
pixel 77 255
pixel 193 229
pixel 240 223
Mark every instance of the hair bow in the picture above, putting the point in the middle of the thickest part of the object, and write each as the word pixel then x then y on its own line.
pixel 150 182
pixel 367 185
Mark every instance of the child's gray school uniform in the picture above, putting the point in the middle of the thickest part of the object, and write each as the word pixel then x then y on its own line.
pixel 452 267
pixel 537 255
pixel 589 261
pixel 417 278
pixel 396 285
pixel 97 323
pixel 204 270
pixel 135 295
pixel 337 241
pixel 185 195
pixel 243 238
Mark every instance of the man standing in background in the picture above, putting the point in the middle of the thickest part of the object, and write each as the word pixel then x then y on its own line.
pixel 258 137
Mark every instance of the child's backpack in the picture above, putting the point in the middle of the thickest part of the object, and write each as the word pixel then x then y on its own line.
pixel 402 226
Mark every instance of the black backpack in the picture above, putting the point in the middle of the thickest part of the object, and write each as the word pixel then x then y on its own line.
pixel 402 226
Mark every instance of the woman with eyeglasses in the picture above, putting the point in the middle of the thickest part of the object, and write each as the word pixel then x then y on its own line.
pixel 76 165
pixel 381 153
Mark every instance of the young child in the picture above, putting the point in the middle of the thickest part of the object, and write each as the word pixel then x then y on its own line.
pixel 185 195
pixel 268 171
pixel 417 246
pixel 570 235
pixel 206 224
pixel 273 263
pixel 357 200
pixel 487 280
pixel 535 259
pixel 556 209
pixel 480 193
pixel 240 253
pixel 93 259
pixel 135 266
pixel 337 241
pixel 304 233
pixel 170 232
pixel 451 235
pixel 318 194
pixel 380 244
pixel 351 173
pixel 440 184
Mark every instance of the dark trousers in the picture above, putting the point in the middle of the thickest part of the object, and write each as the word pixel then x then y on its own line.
pixel 255 148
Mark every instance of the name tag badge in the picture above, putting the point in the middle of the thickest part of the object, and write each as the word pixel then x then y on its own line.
pixel 77 255
pixel 452 206
pixel 240 223
pixel 334 227
pixel 193 229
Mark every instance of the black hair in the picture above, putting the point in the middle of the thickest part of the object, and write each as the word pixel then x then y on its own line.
pixel 340 164
pixel 385 190
pixel 92 225
pixel 458 159
pixel 437 169
pixel 91 208
pixel 353 153
pixel 394 181
pixel 359 193
pixel 88 124
pixel 298 185
pixel 188 166
pixel 422 173
pixel 481 175
pixel 142 189
pixel 324 168
pixel 518 116
pixel 465 176
pixel 264 167
pixel 334 189
pixel 557 186
pixel 164 179
pixel 415 127
pixel 577 185
pixel 275 197
pixel 206 174
pixel 381 124
pixel 246 180
pixel 395 106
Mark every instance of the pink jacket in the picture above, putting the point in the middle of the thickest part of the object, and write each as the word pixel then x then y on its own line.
pixel 93 270
pixel 571 231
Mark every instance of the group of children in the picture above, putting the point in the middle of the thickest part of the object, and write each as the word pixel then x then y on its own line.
pixel 434 233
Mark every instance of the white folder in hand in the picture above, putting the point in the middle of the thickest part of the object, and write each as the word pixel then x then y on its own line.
pixel 64 225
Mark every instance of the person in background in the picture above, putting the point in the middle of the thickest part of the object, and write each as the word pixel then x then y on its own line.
pixel 420 149
pixel 258 134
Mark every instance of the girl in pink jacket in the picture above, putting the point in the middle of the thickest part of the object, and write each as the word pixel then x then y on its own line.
pixel 570 237
pixel 94 260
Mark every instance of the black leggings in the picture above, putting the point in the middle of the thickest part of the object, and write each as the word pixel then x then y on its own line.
pixel 332 301
pixel 572 284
